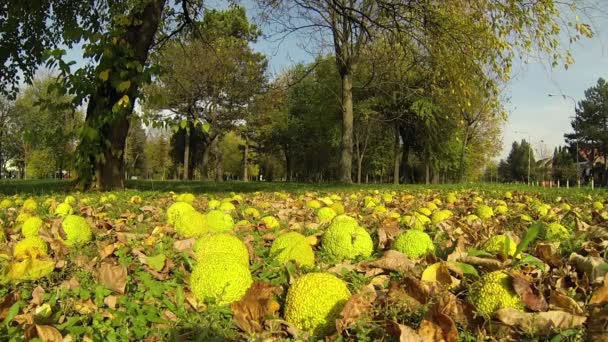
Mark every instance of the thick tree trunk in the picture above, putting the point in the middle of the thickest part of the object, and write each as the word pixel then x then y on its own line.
pixel 186 154
pixel 102 145
pixel 397 157
pixel 246 161
pixel 346 158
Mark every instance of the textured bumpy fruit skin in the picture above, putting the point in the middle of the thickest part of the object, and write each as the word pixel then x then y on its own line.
pixel 414 243
pixel 223 244
pixel 292 246
pixel 31 226
pixel 494 292
pixel 326 214
pixel 30 205
pixel 64 209
pixel 345 239
pixel 219 280
pixel 185 198
pixel 314 301
pixel 484 212
pixel 6 203
pixel 191 224
pixel 500 244
pixel 251 213
pixel 176 210
pixel 440 216
pixel 218 222
pixel 271 222
pixel 556 232
pixel 77 230
pixel 30 246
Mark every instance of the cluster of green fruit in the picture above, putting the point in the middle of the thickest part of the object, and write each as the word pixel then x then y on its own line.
pixel 30 257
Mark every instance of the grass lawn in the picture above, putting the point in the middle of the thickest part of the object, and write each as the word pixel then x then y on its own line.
pixel 140 276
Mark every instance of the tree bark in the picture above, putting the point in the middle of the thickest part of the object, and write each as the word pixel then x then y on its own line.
pixel 427 171
pixel 186 154
pixel 246 160
pixel 359 166
pixel 463 148
pixel 103 151
pixel 346 158
pixel 397 157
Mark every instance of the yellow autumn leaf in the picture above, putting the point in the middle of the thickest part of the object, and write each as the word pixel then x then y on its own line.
pixel 104 75
pixel 124 101
pixel 123 86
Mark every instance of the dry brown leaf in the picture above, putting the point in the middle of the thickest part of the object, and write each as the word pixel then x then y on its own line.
pixel 387 232
pixel 107 250
pixel 458 310
pixel 549 254
pixel 438 327
pixel 169 316
pixel 110 301
pixel 47 333
pixel 558 300
pixel 391 261
pixel 70 284
pixel 37 295
pixel 357 306
pixel 600 296
pixel 591 266
pixel 528 293
pixel 257 304
pixel 113 277
pixel 403 332
pixel 85 307
pixel 542 323
pixel 487 263
pixel 184 245
pixel 26 318
pixel 339 268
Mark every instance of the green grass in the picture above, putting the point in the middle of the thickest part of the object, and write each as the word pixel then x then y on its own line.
pixel 44 187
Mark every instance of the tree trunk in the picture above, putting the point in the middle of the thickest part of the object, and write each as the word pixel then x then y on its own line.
pixel 397 157
pixel 463 148
pixel 359 166
pixel 288 172
pixel 107 121
pixel 346 158
pixel 245 160
pixel 186 154
pixel 217 154
pixel 427 171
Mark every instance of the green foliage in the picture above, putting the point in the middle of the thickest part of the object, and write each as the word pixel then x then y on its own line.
pixel 40 164
pixel 515 168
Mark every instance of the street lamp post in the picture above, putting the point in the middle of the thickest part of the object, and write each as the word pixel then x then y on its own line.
pixel 578 166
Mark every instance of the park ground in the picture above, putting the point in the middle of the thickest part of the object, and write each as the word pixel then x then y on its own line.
pixel 132 281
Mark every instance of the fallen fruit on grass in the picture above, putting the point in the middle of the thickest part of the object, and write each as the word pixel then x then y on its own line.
pixel 314 301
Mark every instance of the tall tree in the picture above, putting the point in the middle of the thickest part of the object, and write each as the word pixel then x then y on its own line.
pixel 6 109
pixel 135 156
pixel 116 37
pixel 476 36
pixel 590 125
pixel 215 92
